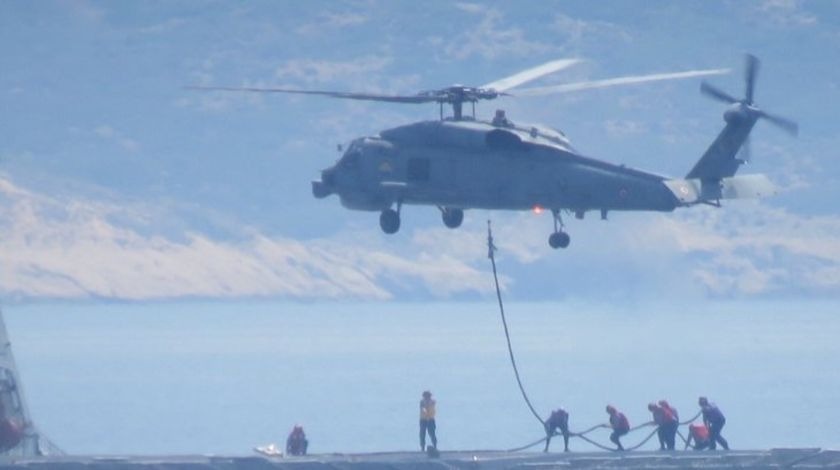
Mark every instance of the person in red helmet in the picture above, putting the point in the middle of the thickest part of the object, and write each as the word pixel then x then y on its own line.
pixel 559 419
pixel 666 425
pixel 428 409
pixel 673 426
pixel 714 420
pixel 619 424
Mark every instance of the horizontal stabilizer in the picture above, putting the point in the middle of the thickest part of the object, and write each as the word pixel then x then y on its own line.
pixel 694 191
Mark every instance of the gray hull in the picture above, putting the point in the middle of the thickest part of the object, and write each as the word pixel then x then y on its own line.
pixel 776 458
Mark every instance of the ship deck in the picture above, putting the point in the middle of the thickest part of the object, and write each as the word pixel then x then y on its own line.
pixel 490 460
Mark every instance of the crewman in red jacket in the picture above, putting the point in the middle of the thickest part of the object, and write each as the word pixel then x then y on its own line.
pixel 619 424
pixel 666 425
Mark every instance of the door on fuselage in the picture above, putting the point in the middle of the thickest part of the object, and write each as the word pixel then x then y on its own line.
pixel 433 177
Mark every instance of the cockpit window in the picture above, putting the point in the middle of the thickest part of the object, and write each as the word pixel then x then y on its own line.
pixel 351 160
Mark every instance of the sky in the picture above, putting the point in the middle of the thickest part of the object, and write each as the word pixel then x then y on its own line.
pixel 118 183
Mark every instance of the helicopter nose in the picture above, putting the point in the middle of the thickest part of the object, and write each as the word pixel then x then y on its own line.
pixel 328 177
pixel 323 188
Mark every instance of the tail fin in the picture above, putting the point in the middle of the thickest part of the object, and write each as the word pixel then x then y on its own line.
pixel 721 158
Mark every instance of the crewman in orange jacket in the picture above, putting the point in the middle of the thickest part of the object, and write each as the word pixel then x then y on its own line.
pixel 698 433
pixel 427 420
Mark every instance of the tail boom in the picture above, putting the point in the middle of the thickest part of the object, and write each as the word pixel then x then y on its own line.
pixel 691 191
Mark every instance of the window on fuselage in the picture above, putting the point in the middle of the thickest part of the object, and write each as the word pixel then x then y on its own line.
pixel 419 169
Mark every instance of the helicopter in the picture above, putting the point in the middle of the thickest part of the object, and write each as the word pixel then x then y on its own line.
pixel 459 162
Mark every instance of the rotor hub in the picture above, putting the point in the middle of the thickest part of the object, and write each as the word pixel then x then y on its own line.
pixel 739 112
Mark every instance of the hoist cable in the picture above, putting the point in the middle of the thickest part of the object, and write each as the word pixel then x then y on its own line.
pixel 491 249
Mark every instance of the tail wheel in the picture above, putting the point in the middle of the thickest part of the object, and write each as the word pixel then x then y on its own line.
pixel 559 240
pixel 452 218
pixel 389 221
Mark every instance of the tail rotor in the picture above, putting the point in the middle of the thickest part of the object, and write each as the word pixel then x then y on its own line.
pixel 746 105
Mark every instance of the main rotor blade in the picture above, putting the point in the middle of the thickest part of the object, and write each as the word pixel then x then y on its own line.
pixel 531 74
pixel 716 93
pixel 751 72
pixel 332 94
pixel 790 126
pixel 610 82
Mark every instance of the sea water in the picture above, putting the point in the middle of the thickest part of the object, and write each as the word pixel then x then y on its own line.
pixel 220 378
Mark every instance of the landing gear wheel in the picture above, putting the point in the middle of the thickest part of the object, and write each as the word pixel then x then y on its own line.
pixel 452 218
pixel 389 221
pixel 559 240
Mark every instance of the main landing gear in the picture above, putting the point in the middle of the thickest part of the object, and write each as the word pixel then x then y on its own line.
pixel 389 219
pixel 451 216
pixel 558 239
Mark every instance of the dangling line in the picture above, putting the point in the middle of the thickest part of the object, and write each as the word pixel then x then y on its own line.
pixel 491 249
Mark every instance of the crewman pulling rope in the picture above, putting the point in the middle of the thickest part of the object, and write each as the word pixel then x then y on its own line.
pixel 491 253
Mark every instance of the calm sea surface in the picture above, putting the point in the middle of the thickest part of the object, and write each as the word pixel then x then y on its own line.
pixel 223 377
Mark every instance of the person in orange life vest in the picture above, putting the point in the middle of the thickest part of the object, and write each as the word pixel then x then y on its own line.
pixel 559 419
pixel 672 430
pixel 665 404
pixel 698 433
pixel 296 443
pixel 619 424
pixel 714 420
pixel 427 420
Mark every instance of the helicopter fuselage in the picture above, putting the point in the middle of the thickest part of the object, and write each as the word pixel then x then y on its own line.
pixel 462 163
pixel 468 164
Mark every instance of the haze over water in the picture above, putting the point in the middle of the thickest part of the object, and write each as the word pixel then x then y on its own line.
pixel 223 377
